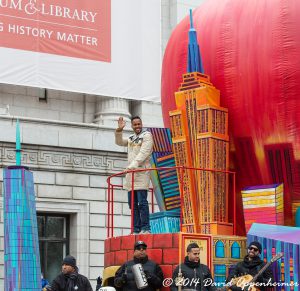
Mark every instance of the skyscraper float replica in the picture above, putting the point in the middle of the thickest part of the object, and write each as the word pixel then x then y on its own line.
pixel 201 195
pixel 21 244
pixel 198 199
pixel 198 139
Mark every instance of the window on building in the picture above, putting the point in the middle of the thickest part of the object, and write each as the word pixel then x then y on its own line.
pixel 220 275
pixel 220 251
pixel 235 250
pixel 53 241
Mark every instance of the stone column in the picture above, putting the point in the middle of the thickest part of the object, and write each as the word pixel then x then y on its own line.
pixel 109 109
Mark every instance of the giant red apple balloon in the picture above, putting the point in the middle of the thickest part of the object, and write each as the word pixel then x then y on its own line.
pixel 251 50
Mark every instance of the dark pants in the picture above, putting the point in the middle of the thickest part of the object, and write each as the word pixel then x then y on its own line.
pixel 140 210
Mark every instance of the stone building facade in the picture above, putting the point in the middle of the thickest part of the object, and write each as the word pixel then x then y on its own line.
pixel 71 161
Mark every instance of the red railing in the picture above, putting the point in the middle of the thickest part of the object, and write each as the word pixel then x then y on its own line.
pixel 180 173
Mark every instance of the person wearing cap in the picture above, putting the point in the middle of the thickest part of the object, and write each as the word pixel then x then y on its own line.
pixel 251 265
pixel 194 275
pixel 69 279
pixel 140 146
pixel 124 278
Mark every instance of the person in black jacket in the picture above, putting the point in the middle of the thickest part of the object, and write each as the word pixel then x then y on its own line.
pixel 124 278
pixel 195 276
pixel 69 279
pixel 251 265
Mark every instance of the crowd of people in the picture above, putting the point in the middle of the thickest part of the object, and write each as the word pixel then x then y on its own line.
pixel 191 275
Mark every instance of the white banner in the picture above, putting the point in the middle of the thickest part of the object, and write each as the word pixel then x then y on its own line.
pixel 102 47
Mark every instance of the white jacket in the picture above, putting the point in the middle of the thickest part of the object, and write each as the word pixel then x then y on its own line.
pixel 139 154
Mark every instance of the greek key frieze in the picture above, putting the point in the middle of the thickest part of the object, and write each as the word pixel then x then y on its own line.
pixel 46 159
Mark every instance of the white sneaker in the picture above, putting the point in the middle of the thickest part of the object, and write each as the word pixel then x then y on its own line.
pixel 145 232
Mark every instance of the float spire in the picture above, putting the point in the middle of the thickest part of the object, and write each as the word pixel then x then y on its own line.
pixel 194 56
pixel 18 144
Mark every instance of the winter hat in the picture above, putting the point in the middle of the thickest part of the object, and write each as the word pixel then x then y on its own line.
pixel 256 244
pixel 69 260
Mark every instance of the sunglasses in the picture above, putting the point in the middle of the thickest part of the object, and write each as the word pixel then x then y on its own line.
pixel 141 248
pixel 253 249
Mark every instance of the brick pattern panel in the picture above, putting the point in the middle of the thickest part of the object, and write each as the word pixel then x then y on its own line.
pixel 115 244
pixel 175 237
pixel 120 257
pixel 155 255
pixel 162 248
pixel 107 246
pixel 163 241
pixel 109 259
pixel 127 242
pixel 147 238
pixel 170 256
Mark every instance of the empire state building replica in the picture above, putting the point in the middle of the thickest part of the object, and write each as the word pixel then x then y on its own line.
pixel 199 127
